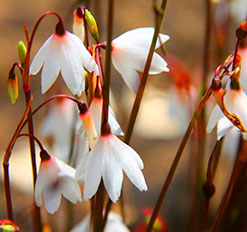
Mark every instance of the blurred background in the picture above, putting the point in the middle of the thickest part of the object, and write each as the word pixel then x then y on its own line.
pixel 165 112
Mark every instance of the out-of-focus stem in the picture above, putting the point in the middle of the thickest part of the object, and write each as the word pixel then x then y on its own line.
pixel 172 170
pixel 137 103
pixel 6 161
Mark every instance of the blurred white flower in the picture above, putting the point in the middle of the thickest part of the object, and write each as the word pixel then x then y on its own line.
pixel 130 51
pixel 107 160
pixel 67 53
pixel 55 178
pixel 238 10
pixel 114 223
pixel 58 123
pixel 235 102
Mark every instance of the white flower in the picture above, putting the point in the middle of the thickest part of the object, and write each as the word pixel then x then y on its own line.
pixel 235 102
pixel 58 123
pixel 130 51
pixel 66 53
pixel 107 160
pixel 55 178
pixel 114 223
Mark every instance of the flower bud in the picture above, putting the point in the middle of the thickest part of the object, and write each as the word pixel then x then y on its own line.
pixel 22 51
pixel 12 87
pixel 92 25
pixel 88 123
pixel 78 25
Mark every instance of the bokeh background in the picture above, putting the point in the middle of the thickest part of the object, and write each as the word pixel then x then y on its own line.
pixel 163 117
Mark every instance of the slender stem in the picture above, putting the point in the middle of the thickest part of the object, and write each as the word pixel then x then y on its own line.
pixel 36 210
pixel 107 79
pixel 227 195
pixel 210 173
pixel 98 209
pixel 207 44
pixel 32 137
pixel 172 170
pixel 7 191
pixel 6 162
pixel 144 76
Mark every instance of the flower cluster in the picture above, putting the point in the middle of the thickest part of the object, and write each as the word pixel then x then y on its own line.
pixel 109 156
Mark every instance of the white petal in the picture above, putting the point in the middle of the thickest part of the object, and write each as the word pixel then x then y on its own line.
pixel 71 190
pixel 118 144
pixel 94 170
pixel 72 70
pixel 80 173
pixel 130 166
pixel 52 199
pixel 39 186
pixel 215 116
pixel 115 127
pixel 83 226
pixel 50 69
pixel 130 59
pixel 86 58
pixel 140 37
pixel 224 125
pixel 113 177
pixel 41 55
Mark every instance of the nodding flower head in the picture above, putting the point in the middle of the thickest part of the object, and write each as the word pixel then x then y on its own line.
pixel 129 55
pixel 55 178
pixel 65 52
pixel 109 158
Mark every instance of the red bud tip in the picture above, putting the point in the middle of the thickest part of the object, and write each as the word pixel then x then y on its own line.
pixel 243 26
pixel 82 108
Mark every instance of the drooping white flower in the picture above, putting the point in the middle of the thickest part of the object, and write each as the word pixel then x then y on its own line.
pixel 130 51
pixel 235 102
pixel 55 178
pixel 63 51
pixel 114 223
pixel 58 123
pixel 109 158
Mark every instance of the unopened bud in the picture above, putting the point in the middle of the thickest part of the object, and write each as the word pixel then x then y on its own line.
pixel 12 87
pixel 86 117
pixel 22 51
pixel 78 25
pixel 92 25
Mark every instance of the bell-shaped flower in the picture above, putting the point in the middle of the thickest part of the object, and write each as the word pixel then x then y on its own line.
pixel 58 124
pixel 63 51
pixel 55 178
pixel 109 158
pixel 235 102
pixel 114 223
pixel 130 51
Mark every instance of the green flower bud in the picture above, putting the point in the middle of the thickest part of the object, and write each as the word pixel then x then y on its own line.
pixel 22 51
pixel 92 25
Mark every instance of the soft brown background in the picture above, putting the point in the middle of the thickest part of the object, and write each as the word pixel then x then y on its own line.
pixel 183 22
